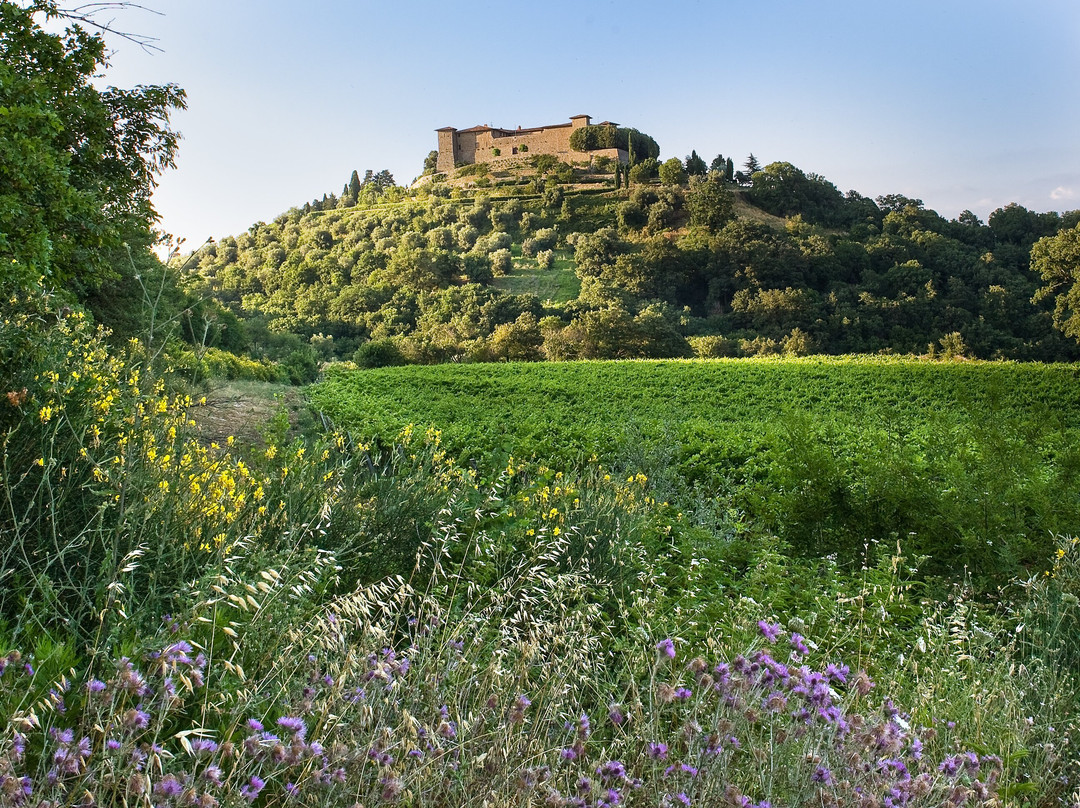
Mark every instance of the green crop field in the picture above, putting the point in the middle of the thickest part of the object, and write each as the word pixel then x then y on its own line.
pixel 974 463
pixel 560 411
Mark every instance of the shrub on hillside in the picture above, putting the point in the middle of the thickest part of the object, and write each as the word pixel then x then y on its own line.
pixel 378 353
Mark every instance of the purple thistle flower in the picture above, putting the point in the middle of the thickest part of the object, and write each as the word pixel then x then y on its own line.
pixel 657 751
pixel 615 715
pixel 112 744
pixel 137 718
pixel 203 746
pixel 293 724
pixel 666 648
pixel 822 775
pixel 584 728
pixel 770 631
pixel 254 725
pixel 971 763
pixel 168 787
pixel 213 774
pixel 612 770
pixel 798 643
pixel 291 789
pixel 95 685
pixel 250 791
pixel 29 670
pixel 569 753
pixel 688 769
pixel 837 674
pixel 683 693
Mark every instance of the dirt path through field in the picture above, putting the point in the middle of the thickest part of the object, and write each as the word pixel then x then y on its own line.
pixel 244 410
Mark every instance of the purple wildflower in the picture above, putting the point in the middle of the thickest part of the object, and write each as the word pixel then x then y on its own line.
pixel 770 631
pixel 615 715
pixel 837 673
pixel 203 746
pixel 584 728
pixel 569 753
pixel 657 751
pixel 254 725
pixel 798 643
pixel 683 693
pixel 19 745
pixel 612 770
pixel 666 648
pixel 822 775
pixel 112 744
pixel 137 718
pixel 250 791
pixel 95 685
pixel 168 787
pixel 293 724
pixel 688 769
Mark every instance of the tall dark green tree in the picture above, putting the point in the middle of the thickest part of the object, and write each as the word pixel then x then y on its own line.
pixel 695 166
pixel 718 164
pixel 354 185
pixel 751 165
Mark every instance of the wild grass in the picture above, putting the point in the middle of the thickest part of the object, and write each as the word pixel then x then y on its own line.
pixel 321 621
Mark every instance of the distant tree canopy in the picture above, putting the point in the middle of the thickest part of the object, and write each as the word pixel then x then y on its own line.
pixel 1057 260
pixel 695 165
pixel 784 190
pixel 672 172
pixel 591 138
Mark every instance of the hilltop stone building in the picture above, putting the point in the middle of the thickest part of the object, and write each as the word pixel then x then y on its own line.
pixel 487 144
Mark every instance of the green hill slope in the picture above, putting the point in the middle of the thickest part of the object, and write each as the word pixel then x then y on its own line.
pixel 554 262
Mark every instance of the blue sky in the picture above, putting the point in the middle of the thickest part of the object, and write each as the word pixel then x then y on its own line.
pixel 963 103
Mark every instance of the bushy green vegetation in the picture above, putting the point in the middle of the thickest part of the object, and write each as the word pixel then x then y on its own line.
pixel 782 264
pixel 972 465
pixel 745 595
pixel 552 623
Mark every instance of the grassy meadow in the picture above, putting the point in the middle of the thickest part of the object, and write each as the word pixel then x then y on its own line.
pixel 744 583
pixel 973 465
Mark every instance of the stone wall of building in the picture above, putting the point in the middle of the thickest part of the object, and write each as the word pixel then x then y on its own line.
pixel 478 144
